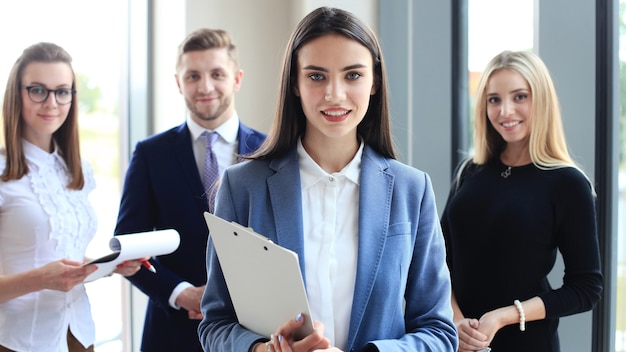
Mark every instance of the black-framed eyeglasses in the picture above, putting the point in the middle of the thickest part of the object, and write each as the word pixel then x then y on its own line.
pixel 39 94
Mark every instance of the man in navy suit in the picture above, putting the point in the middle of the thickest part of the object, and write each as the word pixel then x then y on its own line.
pixel 164 187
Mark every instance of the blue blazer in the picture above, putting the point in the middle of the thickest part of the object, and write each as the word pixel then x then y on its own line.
pixel 163 190
pixel 401 254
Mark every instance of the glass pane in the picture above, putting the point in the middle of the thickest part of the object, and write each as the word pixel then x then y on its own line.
pixel 95 35
pixel 495 26
pixel 620 312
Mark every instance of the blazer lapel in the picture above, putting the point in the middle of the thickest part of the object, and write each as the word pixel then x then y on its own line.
pixel 183 151
pixel 376 185
pixel 286 198
pixel 243 148
pixel 248 141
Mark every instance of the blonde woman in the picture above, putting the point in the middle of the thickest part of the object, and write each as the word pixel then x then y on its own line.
pixel 515 203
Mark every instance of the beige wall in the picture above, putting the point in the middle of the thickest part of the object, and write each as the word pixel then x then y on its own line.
pixel 259 28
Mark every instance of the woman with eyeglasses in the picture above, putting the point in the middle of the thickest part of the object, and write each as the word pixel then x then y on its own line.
pixel 46 220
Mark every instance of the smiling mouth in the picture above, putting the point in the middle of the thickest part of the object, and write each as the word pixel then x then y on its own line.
pixel 510 124
pixel 206 98
pixel 336 113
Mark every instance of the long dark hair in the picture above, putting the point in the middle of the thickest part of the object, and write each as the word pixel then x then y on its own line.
pixel 289 121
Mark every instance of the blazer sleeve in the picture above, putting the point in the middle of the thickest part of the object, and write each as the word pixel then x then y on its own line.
pixel 428 311
pixel 136 214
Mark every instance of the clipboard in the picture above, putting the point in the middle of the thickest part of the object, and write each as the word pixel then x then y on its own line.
pixel 250 262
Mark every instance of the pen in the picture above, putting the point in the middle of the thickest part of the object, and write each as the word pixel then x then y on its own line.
pixel 148 266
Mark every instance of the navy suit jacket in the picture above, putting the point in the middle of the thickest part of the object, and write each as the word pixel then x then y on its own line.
pixel 401 254
pixel 163 190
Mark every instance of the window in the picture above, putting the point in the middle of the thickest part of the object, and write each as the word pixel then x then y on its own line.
pixel 494 26
pixel 620 312
pixel 95 35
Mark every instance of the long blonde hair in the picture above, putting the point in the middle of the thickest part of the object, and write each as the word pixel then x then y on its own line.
pixel 547 145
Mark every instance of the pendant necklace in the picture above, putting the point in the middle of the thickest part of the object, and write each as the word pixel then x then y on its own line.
pixel 506 173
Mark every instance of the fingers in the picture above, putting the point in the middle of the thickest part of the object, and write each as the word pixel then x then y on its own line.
pixel 284 340
pixel 190 298
pixel 194 315
pixel 76 275
pixel 470 338
pixel 322 343
pixel 129 267
pixel 69 262
pixel 275 344
pixel 64 274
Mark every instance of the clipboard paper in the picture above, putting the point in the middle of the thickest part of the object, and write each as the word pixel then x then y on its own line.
pixel 250 263
pixel 134 246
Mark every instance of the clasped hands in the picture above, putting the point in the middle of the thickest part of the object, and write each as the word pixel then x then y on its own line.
pixel 477 334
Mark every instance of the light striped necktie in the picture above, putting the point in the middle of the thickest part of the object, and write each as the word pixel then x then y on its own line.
pixel 211 171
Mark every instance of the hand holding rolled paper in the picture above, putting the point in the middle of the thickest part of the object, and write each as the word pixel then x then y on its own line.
pixel 134 246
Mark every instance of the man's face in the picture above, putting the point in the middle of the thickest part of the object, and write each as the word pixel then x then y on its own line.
pixel 208 80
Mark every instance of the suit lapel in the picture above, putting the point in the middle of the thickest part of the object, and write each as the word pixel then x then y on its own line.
pixel 376 186
pixel 182 150
pixel 248 141
pixel 242 147
pixel 286 198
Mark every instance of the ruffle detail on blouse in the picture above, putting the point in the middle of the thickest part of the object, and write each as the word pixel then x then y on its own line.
pixel 71 216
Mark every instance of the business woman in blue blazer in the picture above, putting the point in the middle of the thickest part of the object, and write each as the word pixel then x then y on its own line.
pixel 400 249
pixel 329 161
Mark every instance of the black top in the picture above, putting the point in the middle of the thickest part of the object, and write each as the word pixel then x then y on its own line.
pixel 502 236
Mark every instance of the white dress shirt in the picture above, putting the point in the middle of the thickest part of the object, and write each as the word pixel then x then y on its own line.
pixel 330 210
pixel 41 221
pixel 225 148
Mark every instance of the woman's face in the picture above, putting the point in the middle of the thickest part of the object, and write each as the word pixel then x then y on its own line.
pixel 335 82
pixel 42 119
pixel 509 103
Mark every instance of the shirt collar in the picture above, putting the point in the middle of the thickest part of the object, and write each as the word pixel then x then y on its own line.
pixel 39 156
pixel 228 130
pixel 311 172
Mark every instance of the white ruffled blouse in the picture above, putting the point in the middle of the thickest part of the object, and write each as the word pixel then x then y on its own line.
pixel 41 221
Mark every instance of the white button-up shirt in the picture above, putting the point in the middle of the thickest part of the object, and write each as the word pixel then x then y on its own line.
pixel 41 221
pixel 330 210
pixel 225 146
